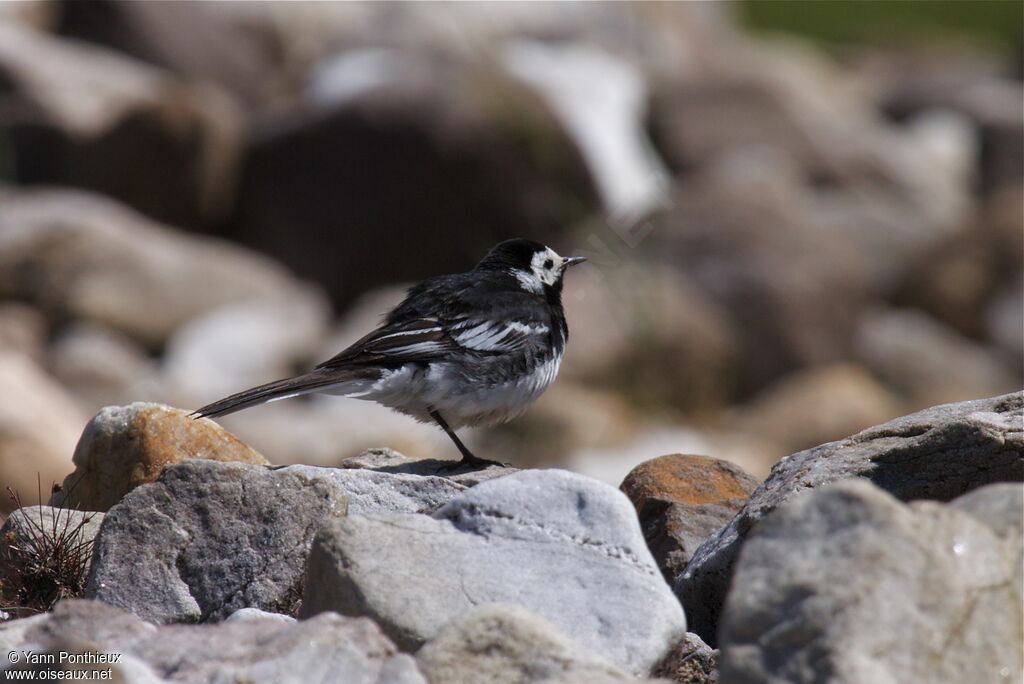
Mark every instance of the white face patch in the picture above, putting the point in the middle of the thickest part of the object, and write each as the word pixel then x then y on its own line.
pixel 545 269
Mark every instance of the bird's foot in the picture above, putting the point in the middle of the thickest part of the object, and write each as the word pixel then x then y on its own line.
pixel 469 462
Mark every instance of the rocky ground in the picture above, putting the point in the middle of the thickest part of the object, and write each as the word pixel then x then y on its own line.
pixel 787 247
pixel 894 553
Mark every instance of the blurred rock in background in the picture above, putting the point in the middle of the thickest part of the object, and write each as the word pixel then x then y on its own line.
pixel 790 238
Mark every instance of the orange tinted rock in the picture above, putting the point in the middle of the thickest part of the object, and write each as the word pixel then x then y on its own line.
pixel 681 500
pixel 687 479
pixel 123 447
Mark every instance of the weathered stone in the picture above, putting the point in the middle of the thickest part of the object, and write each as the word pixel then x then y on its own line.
pixel 939 453
pixel 689 661
pixel 847 584
pixel 44 557
pixel 123 447
pixel 997 505
pixel 315 650
pixel 208 538
pixel 78 255
pixel 39 424
pixel 682 499
pixel 499 642
pixel 562 545
pixel 257 614
pixel 30 523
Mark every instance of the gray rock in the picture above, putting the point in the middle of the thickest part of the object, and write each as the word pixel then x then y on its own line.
pixel 384 492
pixel 998 505
pixel 689 661
pixel 847 584
pixel 257 614
pixel 939 453
pixel 562 545
pixel 60 537
pixel 316 650
pixel 209 538
pixel 78 255
pixel 504 642
pixel 29 523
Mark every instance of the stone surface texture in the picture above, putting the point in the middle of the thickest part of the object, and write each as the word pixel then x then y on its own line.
pixel 561 545
pixel 682 499
pixel 123 447
pixel 939 453
pixel 321 649
pixel 689 661
pixel 504 642
pixel 209 538
pixel 847 584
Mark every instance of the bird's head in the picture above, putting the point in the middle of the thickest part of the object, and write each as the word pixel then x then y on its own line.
pixel 539 269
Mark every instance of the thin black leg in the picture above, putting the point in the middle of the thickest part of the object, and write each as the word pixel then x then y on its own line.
pixel 467 456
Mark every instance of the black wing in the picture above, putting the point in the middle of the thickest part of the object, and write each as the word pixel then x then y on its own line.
pixel 445 316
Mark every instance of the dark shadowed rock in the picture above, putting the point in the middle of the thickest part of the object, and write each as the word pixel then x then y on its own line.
pixel 681 500
pixel 385 460
pixel 689 661
pixel 939 453
pixel 564 546
pixel 847 584
pixel 80 115
pixel 415 146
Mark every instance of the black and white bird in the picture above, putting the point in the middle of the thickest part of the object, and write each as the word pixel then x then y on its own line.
pixel 468 349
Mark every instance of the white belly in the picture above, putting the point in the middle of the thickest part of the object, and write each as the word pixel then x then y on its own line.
pixel 461 401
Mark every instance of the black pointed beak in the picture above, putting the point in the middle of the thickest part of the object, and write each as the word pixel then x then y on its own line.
pixel 572 261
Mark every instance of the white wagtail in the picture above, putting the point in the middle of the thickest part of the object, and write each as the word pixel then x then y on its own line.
pixel 467 349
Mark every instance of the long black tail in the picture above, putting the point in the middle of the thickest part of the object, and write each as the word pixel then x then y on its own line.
pixel 301 384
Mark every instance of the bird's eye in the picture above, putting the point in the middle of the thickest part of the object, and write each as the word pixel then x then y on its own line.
pixel 548 264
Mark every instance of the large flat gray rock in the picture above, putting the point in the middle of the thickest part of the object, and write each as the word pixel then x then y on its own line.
pixel 209 538
pixel 562 545
pixel 848 585
pixel 939 453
